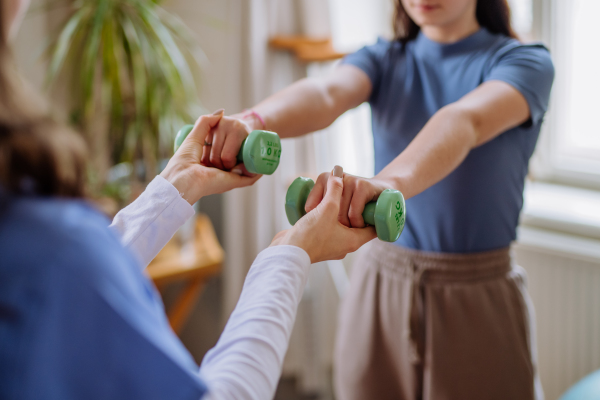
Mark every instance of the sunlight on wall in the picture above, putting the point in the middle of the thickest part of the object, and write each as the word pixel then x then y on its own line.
pixel 522 16
pixel 356 23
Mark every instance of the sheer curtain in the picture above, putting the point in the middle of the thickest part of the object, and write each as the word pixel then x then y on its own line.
pixel 254 215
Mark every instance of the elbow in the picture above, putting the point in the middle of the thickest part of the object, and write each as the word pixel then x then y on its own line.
pixel 469 121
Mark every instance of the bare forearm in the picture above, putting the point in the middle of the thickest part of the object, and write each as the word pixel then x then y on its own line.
pixel 444 142
pixel 303 107
pixel 314 103
pixel 436 151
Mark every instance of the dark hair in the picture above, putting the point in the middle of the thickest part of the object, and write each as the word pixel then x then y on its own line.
pixel 38 155
pixel 491 14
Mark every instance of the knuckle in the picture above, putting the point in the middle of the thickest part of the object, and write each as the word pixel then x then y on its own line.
pixel 330 207
pixel 227 158
pixel 214 158
pixel 356 221
pixel 202 119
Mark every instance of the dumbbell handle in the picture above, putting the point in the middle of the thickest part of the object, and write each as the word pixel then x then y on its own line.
pixel 369 213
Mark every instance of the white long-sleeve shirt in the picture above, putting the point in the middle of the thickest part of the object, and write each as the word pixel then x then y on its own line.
pixel 246 362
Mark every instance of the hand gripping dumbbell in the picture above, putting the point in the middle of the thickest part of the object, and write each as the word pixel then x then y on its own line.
pixel 387 214
pixel 260 151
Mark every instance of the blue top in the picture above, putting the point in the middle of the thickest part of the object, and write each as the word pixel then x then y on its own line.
pixel 477 206
pixel 78 318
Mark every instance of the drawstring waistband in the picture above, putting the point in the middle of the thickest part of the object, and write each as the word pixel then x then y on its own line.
pixel 426 267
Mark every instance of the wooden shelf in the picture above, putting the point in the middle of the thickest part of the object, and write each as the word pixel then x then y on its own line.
pixel 307 49
pixel 193 265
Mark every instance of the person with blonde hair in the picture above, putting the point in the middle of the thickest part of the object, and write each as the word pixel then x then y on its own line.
pixel 78 317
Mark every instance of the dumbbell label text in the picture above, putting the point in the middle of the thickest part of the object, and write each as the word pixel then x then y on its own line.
pixel 399 215
pixel 271 152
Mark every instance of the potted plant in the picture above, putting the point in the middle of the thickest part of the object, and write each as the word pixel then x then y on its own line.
pixel 131 69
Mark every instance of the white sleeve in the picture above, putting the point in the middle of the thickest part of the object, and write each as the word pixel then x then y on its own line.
pixel 247 360
pixel 147 224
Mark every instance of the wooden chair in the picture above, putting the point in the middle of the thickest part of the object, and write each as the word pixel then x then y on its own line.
pixel 193 264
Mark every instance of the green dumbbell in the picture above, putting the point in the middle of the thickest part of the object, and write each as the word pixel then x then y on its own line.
pixel 260 151
pixel 387 214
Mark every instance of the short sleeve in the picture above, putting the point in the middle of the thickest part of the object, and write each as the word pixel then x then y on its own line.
pixel 370 60
pixel 529 69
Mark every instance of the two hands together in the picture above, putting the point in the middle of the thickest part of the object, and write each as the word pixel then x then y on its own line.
pixel 333 226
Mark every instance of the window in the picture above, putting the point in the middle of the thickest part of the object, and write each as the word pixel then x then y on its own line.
pixel 569 151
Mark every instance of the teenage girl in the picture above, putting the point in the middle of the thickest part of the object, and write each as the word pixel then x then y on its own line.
pixel 78 317
pixel 457 104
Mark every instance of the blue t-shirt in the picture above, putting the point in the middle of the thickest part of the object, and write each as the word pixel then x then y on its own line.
pixel 477 206
pixel 78 318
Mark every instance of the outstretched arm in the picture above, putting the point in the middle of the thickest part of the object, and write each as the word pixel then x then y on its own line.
pixel 314 103
pixel 147 224
pixel 306 106
pixel 437 150
pixel 246 362
pixel 447 138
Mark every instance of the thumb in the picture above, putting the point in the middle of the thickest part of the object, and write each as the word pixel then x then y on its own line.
pixel 335 187
pixel 204 124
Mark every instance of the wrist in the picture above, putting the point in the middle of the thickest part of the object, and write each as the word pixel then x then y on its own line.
pixel 184 183
pixel 392 182
pixel 254 120
pixel 290 238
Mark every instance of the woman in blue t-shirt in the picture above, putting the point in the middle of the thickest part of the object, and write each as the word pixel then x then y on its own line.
pixel 457 104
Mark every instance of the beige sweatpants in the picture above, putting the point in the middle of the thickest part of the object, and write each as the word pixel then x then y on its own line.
pixel 435 326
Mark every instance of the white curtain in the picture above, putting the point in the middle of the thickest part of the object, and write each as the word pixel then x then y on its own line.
pixel 254 215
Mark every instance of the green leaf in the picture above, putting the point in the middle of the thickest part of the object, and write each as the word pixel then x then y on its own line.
pixel 64 42
pixel 134 65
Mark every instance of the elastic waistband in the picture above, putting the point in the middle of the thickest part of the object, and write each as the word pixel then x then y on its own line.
pixel 441 266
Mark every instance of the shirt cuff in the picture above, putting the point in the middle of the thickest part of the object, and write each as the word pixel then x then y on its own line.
pixel 294 254
pixel 162 190
pixel 148 223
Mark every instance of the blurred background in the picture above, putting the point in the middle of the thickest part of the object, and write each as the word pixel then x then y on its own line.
pixel 127 74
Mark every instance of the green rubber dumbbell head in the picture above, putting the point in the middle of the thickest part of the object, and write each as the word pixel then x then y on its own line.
pixel 387 214
pixel 295 198
pixel 181 135
pixel 260 151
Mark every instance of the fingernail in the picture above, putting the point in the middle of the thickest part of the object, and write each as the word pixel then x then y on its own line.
pixel 219 111
pixel 236 171
pixel 338 171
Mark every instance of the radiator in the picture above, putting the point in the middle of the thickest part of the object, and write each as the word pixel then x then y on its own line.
pixel 564 284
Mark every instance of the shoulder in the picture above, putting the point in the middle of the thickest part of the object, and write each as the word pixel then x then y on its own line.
pixel 510 51
pixel 379 51
pixel 61 233
pixel 376 59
